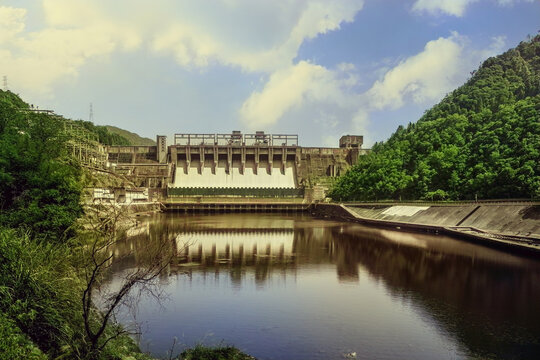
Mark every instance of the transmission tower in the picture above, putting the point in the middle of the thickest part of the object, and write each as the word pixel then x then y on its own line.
pixel 5 83
pixel 91 115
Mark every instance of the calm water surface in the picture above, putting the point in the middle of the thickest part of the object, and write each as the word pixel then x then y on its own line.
pixel 295 287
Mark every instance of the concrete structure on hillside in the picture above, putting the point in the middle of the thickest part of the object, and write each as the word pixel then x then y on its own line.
pixel 235 164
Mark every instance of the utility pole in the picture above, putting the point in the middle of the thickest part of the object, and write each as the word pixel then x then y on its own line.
pixel 5 83
pixel 91 115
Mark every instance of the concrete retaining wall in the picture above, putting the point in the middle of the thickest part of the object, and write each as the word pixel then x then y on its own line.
pixel 505 219
pixel 508 219
pixel 513 228
pixel 435 215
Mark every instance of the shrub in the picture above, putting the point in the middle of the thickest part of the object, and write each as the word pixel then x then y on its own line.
pixel 201 352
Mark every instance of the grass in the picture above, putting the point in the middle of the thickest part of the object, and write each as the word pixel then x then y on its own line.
pixel 201 352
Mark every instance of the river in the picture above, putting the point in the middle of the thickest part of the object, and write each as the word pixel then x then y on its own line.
pixel 294 287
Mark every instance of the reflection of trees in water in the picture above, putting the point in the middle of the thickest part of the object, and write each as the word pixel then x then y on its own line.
pixel 319 246
pixel 492 308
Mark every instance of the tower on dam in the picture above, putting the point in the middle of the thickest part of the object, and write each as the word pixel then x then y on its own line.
pixel 235 164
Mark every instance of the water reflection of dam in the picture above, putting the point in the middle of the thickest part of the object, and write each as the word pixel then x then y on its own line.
pixel 243 245
pixel 239 247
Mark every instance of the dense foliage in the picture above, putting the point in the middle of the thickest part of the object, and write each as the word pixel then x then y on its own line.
pixel 39 184
pixel 40 306
pixel 37 298
pixel 482 140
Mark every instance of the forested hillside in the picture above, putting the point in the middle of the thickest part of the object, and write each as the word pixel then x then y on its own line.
pixel 105 136
pixel 133 138
pixel 42 271
pixel 481 140
pixel 39 184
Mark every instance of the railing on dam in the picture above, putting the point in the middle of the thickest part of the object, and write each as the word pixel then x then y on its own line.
pixel 236 139
pixel 242 192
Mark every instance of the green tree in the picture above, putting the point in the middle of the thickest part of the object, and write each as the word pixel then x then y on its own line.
pixel 39 183
pixel 481 140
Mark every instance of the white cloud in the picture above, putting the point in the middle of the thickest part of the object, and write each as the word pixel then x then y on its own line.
pixel 497 46
pixel 70 13
pixel 11 22
pixel 262 36
pixel 307 93
pixel 300 85
pixel 84 20
pixel 511 2
pixel 443 65
pixel 285 89
pixel 453 7
pixel 36 60
pixel 187 45
pixel 425 76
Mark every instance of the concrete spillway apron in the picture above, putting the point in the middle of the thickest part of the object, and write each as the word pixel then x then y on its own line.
pixel 523 245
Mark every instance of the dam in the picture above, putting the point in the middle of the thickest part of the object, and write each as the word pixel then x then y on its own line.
pixel 250 166
pixel 235 163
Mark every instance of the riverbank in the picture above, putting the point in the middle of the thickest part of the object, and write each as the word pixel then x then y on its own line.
pixel 509 227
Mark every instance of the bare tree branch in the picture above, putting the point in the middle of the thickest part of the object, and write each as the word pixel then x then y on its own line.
pixel 103 224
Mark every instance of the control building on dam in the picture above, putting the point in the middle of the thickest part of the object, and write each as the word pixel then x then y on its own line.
pixel 255 165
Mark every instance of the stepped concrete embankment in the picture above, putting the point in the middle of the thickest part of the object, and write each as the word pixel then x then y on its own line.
pixel 514 227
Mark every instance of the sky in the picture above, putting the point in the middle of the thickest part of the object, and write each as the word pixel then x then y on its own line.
pixel 317 68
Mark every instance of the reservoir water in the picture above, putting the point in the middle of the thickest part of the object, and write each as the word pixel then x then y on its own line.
pixel 294 287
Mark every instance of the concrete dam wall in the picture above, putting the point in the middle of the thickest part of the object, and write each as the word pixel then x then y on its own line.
pixel 249 178
pixel 257 165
